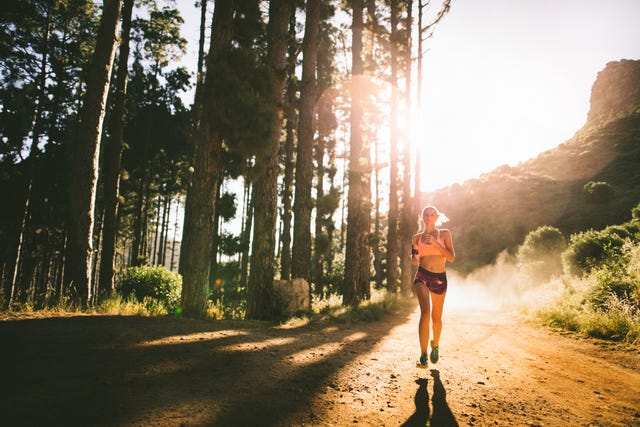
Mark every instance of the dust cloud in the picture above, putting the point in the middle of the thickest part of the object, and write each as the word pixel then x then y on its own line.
pixel 503 285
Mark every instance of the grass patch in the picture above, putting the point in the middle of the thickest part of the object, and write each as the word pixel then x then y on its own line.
pixel 119 306
pixel 330 308
pixel 380 305
pixel 608 317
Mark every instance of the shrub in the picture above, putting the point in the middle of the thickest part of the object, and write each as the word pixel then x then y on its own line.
pixel 615 324
pixel 152 285
pixel 633 229
pixel 540 252
pixel 619 230
pixel 589 250
pixel 599 192
pixel 635 213
pixel 610 286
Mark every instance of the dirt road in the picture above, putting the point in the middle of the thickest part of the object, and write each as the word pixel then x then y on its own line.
pixel 494 370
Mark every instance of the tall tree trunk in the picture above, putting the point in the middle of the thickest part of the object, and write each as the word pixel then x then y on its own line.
pixel 84 158
pixel 197 103
pixel 289 158
pixel 326 125
pixel 172 265
pixel 59 275
pixel 259 304
pixel 246 232
pixel 201 40
pixel 156 233
pixel 319 249
pixel 112 159
pixel 164 230
pixel 304 159
pixel 31 161
pixel 417 166
pixel 139 244
pixel 287 183
pixel 392 231
pixel 377 253
pixel 42 279
pixel 213 268
pixel 195 254
pixel 357 257
pixel 407 214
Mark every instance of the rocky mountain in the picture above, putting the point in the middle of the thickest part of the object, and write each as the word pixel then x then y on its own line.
pixel 589 181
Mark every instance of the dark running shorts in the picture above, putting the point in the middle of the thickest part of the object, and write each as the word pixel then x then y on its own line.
pixel 435 282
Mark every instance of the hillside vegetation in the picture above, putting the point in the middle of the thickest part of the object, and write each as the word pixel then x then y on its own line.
pixel 589 181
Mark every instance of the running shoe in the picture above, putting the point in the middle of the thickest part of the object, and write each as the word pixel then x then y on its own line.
pixel 422 363
pixel 434 356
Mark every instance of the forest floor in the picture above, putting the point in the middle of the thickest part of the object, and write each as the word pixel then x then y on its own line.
pixel 494 369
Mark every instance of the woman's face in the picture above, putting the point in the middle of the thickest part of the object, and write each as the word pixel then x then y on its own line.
pixel 429 216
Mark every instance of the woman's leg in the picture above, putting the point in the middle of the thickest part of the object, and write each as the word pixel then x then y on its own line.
pixel 423 326
pixel 436 316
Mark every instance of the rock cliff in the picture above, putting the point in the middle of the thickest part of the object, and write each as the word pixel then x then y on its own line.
pixel 616 91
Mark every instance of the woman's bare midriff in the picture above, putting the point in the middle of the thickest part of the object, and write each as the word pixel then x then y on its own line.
pixel 433 263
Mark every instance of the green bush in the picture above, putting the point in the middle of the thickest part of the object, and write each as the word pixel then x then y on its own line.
pixel 561 317
pixel 590 250
pixel 602 297
pixel 619 230
pixel 633 229
pixel 152 285
pixel 615 324
pixel 612 285
pixel 540 252
pixel 635 213
pixel 599 192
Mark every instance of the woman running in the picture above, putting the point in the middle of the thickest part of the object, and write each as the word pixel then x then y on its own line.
pixel 431 249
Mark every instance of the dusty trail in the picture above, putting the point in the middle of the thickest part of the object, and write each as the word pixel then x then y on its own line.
pixel 494 370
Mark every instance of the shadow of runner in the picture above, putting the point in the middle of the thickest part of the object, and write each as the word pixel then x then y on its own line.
pixel 421 415
pixel 442 415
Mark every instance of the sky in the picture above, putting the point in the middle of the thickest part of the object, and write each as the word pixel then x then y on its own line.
pixel 505 80
pixel 508 79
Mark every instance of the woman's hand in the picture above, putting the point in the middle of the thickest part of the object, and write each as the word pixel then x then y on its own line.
pixel 415 258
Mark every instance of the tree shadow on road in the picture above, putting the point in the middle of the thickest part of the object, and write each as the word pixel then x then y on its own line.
pixel 442 415
pixel 113 370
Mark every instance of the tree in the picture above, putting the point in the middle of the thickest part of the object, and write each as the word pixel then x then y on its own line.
pixel 85 150
pixel 392 231
pixel 259 304
pixel 113 158
pixel 304 159
pixel 287 181
pixel 327 200
pixel 407 214
pixel 357 257
pixel 38 123
pixel 195 254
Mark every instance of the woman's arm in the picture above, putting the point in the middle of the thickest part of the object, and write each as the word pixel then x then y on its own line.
pixel 447 249
pixel 415 258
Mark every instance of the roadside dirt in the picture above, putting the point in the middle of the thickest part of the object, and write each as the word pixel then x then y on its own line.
pixel 127 371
